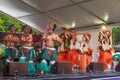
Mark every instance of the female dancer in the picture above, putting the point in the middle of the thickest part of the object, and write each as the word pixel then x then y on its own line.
pixel 85 51
pixel 105 48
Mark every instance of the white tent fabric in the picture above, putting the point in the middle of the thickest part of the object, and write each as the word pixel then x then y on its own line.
pixel 65 13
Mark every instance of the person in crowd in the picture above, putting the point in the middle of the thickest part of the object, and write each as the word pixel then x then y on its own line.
pixel 48 54
pixel 105 49
pixel 10 41
pixel 26 53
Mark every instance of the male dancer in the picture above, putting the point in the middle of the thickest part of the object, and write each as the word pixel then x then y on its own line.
pixel 27 52
pixel 10 41
pixel 48 54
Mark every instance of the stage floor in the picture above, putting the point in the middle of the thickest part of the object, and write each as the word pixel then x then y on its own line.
pixel 77 76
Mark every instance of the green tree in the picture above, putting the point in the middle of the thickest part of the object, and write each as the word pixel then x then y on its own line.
pixel 6 21
pixel 116 35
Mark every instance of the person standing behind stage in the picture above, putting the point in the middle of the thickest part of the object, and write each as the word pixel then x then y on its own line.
pixel 48 54
pixel 27 51
pixel 105 48
pixel 10 41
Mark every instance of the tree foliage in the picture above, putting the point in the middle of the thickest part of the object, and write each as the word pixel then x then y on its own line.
pixel 116 35
pixel 6 21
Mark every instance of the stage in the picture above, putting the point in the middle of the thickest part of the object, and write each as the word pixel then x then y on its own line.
pixel 77 76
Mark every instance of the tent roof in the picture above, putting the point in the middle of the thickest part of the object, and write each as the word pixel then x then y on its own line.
pixel 65 13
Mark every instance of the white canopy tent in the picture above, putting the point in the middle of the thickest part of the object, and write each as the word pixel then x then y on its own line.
pixel 80 14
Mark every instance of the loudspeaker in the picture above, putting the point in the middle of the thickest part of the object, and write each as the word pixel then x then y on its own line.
pixel 15 68
pixel 61 68
pixel 95 67
pixel 117 68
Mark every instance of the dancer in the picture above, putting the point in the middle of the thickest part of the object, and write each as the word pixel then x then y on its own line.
pixel 27 51
pixel 65 37
pixel 73 50
pixel 10 41
pixel 48 54
pixel 73 39
pixel 63 55
pixel 85 51
pixel 105 48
